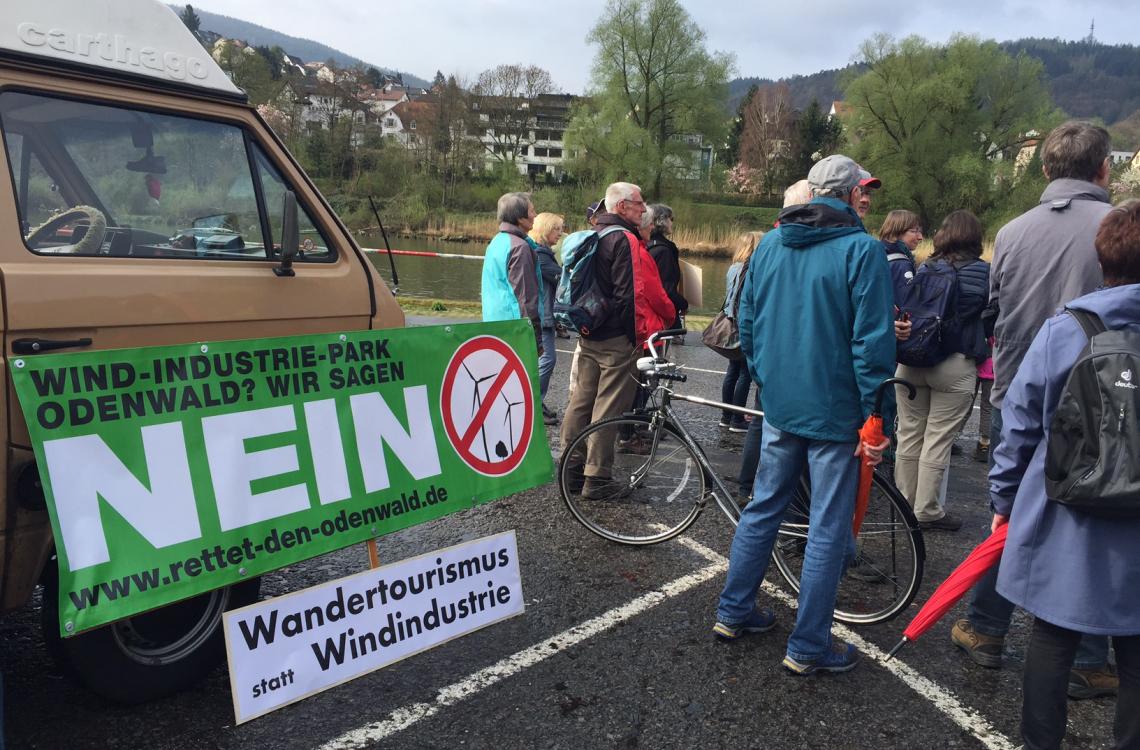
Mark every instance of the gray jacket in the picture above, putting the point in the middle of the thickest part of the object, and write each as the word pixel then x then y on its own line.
pixel 1042 259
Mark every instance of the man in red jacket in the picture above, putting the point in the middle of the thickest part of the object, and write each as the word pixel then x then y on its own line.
pixel 606 373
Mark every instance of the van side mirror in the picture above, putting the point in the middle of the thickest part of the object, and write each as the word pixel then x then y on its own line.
pixel 290 236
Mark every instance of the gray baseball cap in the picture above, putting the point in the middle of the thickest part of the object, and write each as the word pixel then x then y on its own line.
pixel 836 172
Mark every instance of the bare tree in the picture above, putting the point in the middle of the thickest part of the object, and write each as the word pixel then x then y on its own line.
pixel 767 135
pixel 501 107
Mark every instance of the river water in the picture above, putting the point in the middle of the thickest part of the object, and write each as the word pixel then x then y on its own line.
pixel 452 278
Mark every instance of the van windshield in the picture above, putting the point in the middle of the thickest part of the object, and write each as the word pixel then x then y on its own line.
pixel 103 180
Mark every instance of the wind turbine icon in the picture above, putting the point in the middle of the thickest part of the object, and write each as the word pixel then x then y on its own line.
pixel 477 402
pixel 500 449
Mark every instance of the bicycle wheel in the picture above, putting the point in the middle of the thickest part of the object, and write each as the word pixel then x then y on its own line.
pixel 656 489
pixel 889 554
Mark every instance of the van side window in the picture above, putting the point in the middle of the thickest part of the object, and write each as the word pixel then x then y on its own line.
pixel 314 246
pixel 129 182
pixel 34 186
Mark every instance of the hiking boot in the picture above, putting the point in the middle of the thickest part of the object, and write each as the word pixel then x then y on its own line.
pixel 760 621
pixel 865 571
pixel 841 657
pixel 604 488
pixel 1092 683
pixel 983 649
pixel 575 478
pixel 946 523
pixel 982 452
pixel 638 445
pixel 549 416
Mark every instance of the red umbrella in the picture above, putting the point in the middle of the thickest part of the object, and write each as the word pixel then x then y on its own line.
pixel 984 557
pixel 871 433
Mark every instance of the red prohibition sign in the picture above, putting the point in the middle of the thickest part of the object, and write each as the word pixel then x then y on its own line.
pixel 487 405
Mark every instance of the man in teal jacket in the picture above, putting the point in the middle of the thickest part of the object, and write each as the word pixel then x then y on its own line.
pixel 512 285
pixel 816 328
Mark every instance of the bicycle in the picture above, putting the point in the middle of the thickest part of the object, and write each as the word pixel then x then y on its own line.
pixel 661 483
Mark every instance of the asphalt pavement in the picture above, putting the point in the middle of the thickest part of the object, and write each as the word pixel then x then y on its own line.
pixel 614 650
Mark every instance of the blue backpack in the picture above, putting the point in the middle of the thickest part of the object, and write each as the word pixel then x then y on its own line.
pixel 931 301
pixel 579 303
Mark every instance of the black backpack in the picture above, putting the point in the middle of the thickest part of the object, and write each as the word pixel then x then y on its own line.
pixel 1092 460
pixel 931 300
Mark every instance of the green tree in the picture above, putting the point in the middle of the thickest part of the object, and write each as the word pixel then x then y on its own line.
pixel 934 122
pixel 731 155
pixel 191 19
pixel 248 70
pixel 655 88
pixel 817 135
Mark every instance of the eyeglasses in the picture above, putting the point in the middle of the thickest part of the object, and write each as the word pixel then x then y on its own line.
pixel 642 203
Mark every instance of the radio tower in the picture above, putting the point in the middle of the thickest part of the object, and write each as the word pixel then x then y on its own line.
pixel 1092 36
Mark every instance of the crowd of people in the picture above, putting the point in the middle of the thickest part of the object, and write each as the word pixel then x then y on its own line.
pixel 825 313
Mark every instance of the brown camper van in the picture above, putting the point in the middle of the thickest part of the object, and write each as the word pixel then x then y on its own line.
pixel 143 201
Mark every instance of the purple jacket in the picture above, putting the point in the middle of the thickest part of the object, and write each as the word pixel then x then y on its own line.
pixel 1066 567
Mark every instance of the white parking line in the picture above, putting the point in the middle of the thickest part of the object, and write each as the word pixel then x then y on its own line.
pixel 404 717
pixel 945 701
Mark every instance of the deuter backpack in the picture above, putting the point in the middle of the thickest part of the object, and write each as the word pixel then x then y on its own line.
pixel 1091 460
pixel 931 299
pixel 578 302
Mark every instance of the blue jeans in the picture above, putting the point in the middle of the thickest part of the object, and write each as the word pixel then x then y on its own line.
pixel 750 459
pixel 990 612
pixel 546 361
pixel 734 388
pixel 834 477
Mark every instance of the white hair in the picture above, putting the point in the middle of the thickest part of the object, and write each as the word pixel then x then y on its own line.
pixel 797 193
pixel 618 192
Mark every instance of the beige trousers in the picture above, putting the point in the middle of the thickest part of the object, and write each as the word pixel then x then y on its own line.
pixel 927 428
pixel 603 383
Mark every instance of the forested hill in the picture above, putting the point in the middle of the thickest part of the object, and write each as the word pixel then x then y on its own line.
pixel 306 49
pixel 1087 79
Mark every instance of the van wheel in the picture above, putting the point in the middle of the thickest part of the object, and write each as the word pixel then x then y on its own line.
pixel 147 656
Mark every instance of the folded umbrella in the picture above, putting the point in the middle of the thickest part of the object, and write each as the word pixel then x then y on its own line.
pixel 871 433
pixel 968 572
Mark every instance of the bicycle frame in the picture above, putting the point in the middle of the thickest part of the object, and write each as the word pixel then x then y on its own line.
pixel 663 411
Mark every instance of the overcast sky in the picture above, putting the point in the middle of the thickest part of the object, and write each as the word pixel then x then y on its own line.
pixel 769 39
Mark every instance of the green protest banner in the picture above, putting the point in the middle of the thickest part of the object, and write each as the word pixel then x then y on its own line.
pixel 171 471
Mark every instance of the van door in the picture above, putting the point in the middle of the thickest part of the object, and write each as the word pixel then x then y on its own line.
pixel 133 227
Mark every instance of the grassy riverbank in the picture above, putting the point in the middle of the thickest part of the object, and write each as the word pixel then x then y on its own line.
pixel 700 229
pixel 452 308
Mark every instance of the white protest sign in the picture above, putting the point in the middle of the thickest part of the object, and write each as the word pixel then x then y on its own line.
pixel 288 648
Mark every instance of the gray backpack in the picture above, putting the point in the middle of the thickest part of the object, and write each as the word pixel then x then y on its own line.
pixel 1092 460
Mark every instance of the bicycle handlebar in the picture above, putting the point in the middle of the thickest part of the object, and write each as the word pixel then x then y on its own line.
pixel 654 338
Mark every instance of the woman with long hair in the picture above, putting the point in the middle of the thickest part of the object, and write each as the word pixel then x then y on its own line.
pixel 737 381
pixel 929 423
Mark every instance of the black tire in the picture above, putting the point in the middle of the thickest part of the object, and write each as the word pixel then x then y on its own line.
pixel 653 496
pixel 890 555
pixel 148 656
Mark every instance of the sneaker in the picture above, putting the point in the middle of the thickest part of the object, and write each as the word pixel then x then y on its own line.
pixel 723 423
pixel 982 452
pixel 760 621
pixel 841 657
pixel 738 427
pixel 1092 683
pixel 946 523
pixel 549 416
pixel 955 450
pixel 983 649
pixel 604 488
